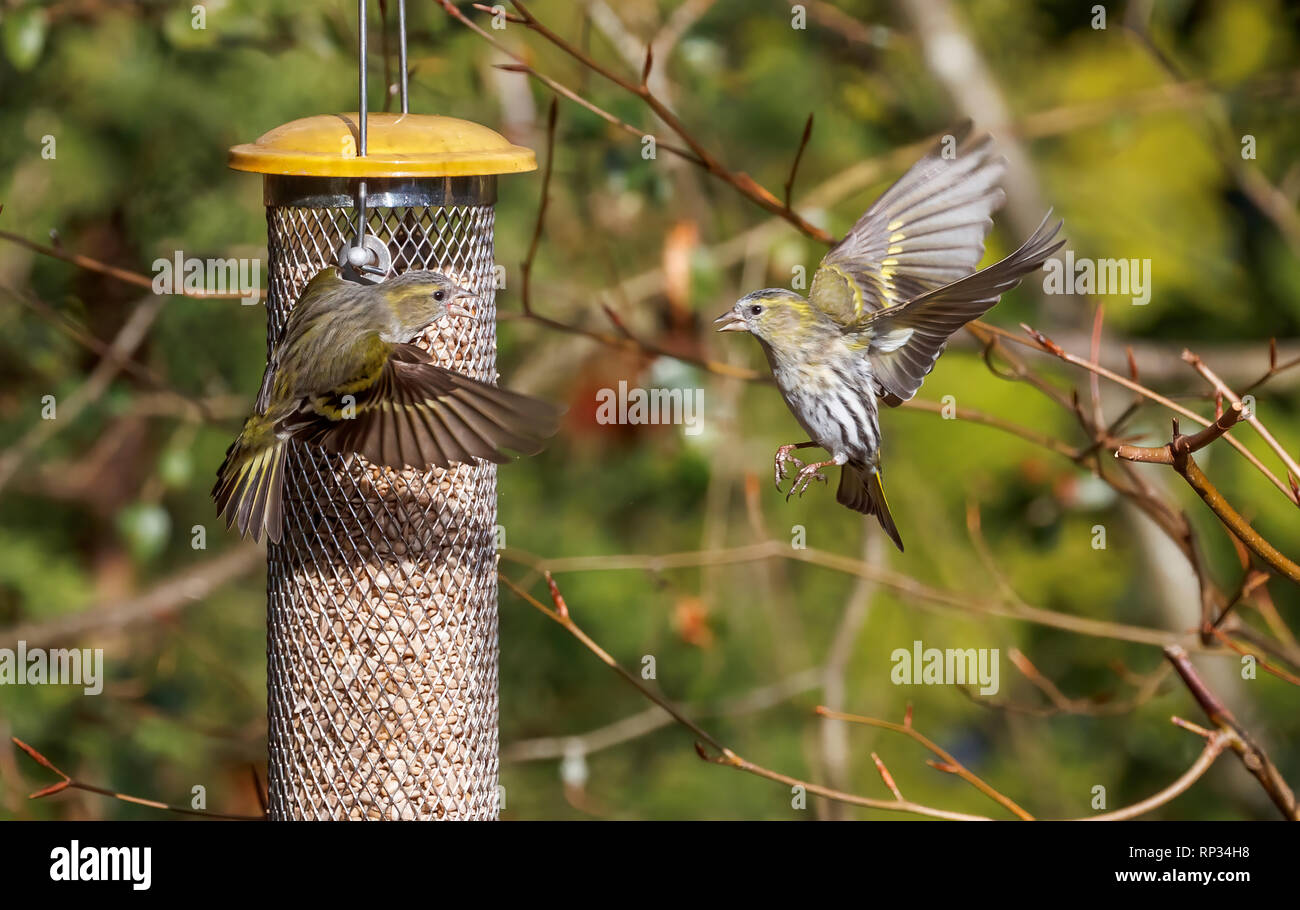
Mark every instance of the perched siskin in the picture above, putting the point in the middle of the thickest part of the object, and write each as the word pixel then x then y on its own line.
pixel 882 305
pixel 345 378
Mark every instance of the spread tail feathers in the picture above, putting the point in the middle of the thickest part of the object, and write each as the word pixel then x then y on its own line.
pixel 249 482
pixel 860 490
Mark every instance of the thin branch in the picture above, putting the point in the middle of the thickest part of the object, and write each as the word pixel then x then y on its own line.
pixel 798 156
pixel 527 266
pixel 1166 454
pixel 131 335
pixel 975 416
pixel 1234 520
pixel 950 764
pixel 1274 367
pixel 896 581
pixel 559 613
pixel 655 718
pixel 1147 686
pixel 1178 453
pixel 1251 417
pixel 91 264
pixel 1094 381
pixel 69 327
pixel 1268 667
pixel 1216 742
pixel 1051 347
pixel 892 805
pixel 974 527
pixel 1251 754
pixel 742 182
pixel 565 92
pixel 189 586
pixel 70 783
pixel 622 341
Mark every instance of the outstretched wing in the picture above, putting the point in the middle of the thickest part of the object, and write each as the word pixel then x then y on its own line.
pixel 924 232
pixel 904 341
pixel 420 414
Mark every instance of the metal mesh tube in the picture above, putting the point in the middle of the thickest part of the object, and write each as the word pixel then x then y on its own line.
pixel 382 595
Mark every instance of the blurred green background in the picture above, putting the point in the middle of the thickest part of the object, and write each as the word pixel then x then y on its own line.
pixel 143 107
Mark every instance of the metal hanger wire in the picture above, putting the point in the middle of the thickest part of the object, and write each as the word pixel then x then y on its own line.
pixel 359 259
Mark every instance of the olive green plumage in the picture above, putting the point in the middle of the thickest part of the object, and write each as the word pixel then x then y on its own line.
pixel 346 379
pixel 880 310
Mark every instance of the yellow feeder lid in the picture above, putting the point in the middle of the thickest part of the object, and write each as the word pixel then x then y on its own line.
pixel 397 145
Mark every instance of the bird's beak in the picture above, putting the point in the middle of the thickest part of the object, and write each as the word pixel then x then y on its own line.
pixel 458 304
pixel 730 321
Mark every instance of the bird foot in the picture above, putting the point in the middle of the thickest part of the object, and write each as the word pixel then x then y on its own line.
pixel 806 476
pixel 781 464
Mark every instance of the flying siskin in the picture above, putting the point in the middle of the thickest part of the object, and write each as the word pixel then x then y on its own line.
pixel 345 378
pixel 882 305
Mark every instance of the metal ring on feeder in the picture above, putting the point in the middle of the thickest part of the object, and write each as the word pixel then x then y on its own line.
pixel 375 257
pixel 382 595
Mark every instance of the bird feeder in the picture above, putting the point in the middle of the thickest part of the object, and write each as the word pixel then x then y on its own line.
pixel 382 593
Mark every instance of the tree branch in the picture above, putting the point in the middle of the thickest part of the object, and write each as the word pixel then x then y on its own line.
pixel 1252 755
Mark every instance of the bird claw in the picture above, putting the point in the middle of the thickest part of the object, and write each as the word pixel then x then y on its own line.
pixel 781 464
pixel 804 478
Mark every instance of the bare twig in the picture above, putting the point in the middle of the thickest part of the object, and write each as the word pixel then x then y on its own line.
pixel 1252 756
pixel 892 805
pixel 622 341
pixel 975 416
pixel 1268 667
pixel 1060 703
pixel 129 337
pixel 1166 454
pixel 1056 350
pixel 91 264
pixel 655 718
pixel 1094 381
pixel 70 783
pixel 1178 453
pixel 798 156
pixel 896 581
pixel 526 268
pixel 950 764
pixel 186 587
pixel 835 751
pixel 1216 742
pixel 1274 367
pixel 699 155
pixel 559 613
pixel 88 341
pixel 1250 416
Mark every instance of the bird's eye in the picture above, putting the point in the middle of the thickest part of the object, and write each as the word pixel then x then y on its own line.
pixel 755 310
pixel 439 295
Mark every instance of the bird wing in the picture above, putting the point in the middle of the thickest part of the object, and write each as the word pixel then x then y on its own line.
pixel 924 232
pixel 308 310
pixel 418 414
pixel 904 341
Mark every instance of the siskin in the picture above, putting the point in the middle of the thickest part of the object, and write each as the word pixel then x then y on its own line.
pixel 346 379
pixel 882 305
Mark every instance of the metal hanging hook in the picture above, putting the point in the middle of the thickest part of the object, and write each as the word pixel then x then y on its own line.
pixel 362 49
pixel 365 255
pixel 401 49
